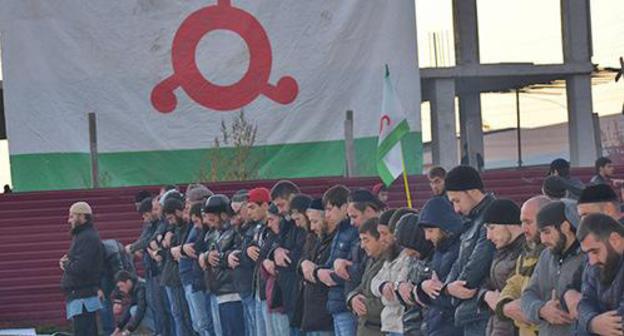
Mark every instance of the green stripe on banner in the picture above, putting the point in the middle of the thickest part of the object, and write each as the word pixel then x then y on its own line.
pixel 57 171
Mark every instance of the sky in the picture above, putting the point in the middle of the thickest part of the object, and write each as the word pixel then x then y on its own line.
pixel 509 31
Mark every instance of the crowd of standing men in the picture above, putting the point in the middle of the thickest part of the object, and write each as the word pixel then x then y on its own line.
pixel 278 262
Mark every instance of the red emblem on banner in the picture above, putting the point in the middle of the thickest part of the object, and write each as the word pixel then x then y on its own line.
pixel 186 74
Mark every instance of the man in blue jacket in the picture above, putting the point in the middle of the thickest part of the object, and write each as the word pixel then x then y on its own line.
pixel 335 202
pixel 465 190
pixel 442 227
pixel 601 308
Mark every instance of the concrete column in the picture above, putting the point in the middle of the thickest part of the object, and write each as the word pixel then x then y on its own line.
pixel 465 21
pixel 443 125
pixel 577 48
pixel 466 24
pixel 580 124
pixel 471 128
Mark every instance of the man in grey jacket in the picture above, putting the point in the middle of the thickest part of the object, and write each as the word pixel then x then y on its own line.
pixel 555 270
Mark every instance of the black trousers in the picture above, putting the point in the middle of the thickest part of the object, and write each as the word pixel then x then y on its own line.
pixel 85 324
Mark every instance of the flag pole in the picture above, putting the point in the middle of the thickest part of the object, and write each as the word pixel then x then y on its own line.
pixel 407 190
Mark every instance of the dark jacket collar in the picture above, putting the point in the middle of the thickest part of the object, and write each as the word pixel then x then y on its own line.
pixel 81 228
pixel 480 208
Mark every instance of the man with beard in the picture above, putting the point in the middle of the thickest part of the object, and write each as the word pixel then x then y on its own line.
pixel 82 268
pixel 502 220
pixel 601 308
pixel 555 270
pixel 508 305
pixel 173 209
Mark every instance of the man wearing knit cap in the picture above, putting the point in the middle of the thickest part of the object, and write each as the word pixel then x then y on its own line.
pixel 465 190
pixel 543 301
pixel 315 318
pixel 508 305
pixel 253 251
pixel 504 229
pixel 600 198
pixel 82 268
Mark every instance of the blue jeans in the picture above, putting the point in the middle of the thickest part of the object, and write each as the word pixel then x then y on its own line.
pixel 320 333
pixel 344 324
pixel 179 310
pixel 263 323
pixel 395 334
pixel 158 302
pixel 280 324
pixel 213 309
pixel 249 309
pixel 106 316
pixel 231 315
pixel 196 300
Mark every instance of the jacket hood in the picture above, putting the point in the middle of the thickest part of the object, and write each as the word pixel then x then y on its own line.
pixel 438 212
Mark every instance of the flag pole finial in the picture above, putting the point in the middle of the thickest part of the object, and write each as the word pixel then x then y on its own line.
pixel 387 70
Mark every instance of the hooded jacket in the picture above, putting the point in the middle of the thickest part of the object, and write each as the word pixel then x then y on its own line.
pixel 291 238
pixel 438 212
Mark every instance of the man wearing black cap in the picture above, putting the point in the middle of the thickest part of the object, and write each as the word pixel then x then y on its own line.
pixel 314 315
pixel 219 276
pixel 504 229
pixel 542 299
pixel 465 190
pixel 601 308
pixel 508 305
pixel 600 198
pixel 173 209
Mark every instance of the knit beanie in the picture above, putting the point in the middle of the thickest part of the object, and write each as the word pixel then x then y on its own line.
pixel 411 235
pixel 81 208
pixel 598 193
pixel 502 212
pixel 317 204
pixel 462 178
pixel 300 202
pixel 555 213
pixel 365 196
pixel 198 194
pixel 217 204
pixel 259 195
pixel 384 218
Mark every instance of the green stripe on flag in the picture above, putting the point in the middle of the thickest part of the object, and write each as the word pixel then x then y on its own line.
pixel 56 171
pixel 392 139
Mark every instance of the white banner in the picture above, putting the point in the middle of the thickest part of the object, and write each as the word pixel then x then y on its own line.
pixel 295 67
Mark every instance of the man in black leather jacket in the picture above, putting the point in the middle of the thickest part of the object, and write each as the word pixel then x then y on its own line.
pixel 217 213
